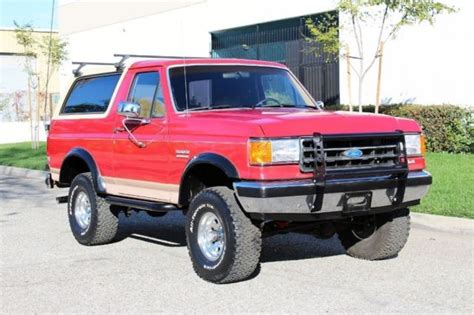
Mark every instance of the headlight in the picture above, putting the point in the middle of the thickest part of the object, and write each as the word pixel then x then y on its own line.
pixel 263 152
pixel 415 144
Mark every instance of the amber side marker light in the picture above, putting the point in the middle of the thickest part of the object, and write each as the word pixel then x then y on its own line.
pixel 423 144
pixel 260 152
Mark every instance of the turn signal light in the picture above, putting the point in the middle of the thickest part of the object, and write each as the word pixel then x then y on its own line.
pixel 260 152
pixel 423 144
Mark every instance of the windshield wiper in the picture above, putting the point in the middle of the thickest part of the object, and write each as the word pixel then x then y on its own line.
pixel 289 105
pixel 208 108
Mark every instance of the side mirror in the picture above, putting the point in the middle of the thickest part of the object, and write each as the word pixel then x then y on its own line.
pixel 129 109
pixel 320 104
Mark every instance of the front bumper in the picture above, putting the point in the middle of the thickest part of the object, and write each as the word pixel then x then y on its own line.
pixel 312 198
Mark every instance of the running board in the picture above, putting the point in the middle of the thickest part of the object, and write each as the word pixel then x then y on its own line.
pixel 140 204
pixel 62 199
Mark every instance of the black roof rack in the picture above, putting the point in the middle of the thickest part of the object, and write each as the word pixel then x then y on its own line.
pixel 77 72
pixel 120 64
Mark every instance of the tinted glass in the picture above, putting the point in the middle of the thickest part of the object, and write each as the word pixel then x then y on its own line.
pixel 235 86
pixel 91 95
pixel 159 105
pixel 145 93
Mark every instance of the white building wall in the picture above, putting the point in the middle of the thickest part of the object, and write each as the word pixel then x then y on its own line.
pixel 425 64
pixel 13 132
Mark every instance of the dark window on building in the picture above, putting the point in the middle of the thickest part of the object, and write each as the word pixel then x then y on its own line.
pixel 147 92
pixel 284 41
pixel 91 95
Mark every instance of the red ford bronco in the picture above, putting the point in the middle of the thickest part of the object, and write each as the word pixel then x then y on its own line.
pixel 241 148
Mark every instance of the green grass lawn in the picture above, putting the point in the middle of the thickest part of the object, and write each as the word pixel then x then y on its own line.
pixel 22 155
pixel 452 192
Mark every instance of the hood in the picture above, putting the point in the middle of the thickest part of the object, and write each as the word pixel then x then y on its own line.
pixel 284 122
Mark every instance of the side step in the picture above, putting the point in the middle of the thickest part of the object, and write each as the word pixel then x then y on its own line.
pixel 140 204
pixel 62 199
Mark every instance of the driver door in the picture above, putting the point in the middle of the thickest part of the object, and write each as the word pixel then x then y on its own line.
pixel 141 170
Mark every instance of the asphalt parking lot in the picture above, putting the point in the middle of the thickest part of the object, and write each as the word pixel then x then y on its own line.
pixel 43 269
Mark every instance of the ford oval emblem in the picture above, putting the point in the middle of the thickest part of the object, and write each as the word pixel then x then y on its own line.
pixel 353 153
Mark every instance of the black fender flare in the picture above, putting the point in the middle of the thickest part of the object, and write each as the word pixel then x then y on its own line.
pixel 89 160
pixel 213 159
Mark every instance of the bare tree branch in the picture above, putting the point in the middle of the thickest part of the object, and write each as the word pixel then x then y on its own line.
pixel 395 28
pixel 379 41
pixel 356 34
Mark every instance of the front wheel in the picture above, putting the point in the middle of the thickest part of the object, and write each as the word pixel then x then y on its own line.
pixel 223 243
pixel 376 237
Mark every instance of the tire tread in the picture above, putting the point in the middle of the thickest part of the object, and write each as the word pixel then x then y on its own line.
pixel 107 222
pixel 246 258
pixel 386 242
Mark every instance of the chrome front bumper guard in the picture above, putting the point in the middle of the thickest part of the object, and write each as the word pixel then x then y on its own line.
pixel 309 197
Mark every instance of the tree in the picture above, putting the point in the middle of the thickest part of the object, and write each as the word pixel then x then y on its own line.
pixel 357 18
pixel 54 50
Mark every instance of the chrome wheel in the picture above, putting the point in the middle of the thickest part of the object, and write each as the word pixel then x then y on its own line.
pixel 211 237
pixel 82 210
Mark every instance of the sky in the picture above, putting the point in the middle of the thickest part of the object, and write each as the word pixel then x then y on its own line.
pixel 34 12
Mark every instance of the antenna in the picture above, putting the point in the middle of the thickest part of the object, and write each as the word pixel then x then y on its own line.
pixel 184 71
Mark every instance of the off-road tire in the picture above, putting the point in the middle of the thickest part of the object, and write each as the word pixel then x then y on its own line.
pixel 103 222
pixel 388 239
pixel 241 255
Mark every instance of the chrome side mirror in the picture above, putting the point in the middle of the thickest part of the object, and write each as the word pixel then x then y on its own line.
pixel 320 104
pixel 129 109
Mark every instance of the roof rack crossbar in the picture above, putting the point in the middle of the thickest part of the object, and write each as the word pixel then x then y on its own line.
pixel 156 56
pixel 77 72
pixel 126 56
pixel 121 63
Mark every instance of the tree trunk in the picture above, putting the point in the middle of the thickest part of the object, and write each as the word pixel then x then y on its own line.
pixel 38 113
pixel 361 81
pixel 349 79
pixel 379 79
pixel 30 113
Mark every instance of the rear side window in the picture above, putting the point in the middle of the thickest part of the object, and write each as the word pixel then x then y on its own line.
pixel 91 95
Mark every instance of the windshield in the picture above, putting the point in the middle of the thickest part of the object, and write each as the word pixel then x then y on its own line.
pixel 213 87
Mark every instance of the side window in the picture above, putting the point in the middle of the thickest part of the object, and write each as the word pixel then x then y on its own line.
pixel 159 104
pixel 146 91
pixel 91 95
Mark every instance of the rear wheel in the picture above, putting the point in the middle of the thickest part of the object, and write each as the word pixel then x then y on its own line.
pixel 223 244
pixel 91 219
pixel 376 237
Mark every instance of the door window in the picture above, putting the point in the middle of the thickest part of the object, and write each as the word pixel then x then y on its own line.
pixel 147 91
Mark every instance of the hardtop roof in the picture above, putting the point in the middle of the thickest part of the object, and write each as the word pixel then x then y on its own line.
pixel 203 61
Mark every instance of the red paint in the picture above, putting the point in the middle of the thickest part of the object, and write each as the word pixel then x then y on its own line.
pixel 224 132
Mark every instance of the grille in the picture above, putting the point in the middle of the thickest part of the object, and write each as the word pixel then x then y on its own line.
pixel 327 152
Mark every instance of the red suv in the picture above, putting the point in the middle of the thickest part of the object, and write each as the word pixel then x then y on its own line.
pixel 241 148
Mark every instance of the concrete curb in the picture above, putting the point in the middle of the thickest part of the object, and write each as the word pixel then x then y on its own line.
pixel 442 223
pixel 21 172
pixel 419 220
